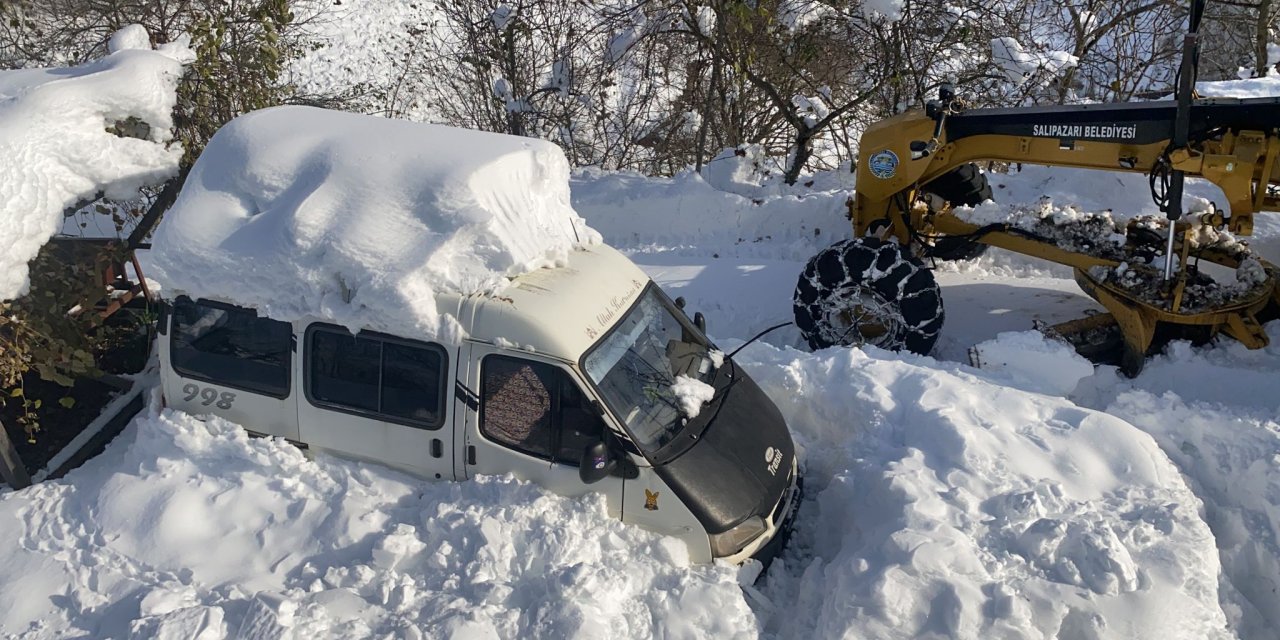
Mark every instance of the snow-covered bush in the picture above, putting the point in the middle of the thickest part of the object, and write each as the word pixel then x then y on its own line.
pixel 70 135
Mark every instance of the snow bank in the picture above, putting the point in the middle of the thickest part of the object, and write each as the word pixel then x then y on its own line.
pixel 1214 410
pixel 686 214
pixel 1267 87
pixel 56 150
pixel 1233 457
pixel 939 503
pixel 946 505
pixel 302 212
pixel 190 527
pixel 1034 362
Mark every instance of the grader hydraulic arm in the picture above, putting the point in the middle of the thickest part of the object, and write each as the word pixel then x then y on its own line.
pixel 1233 143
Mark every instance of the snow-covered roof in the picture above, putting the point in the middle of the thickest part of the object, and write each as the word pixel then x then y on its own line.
pixel 303 212
pixel 55 149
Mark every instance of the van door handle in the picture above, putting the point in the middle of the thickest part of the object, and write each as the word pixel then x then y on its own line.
pixel 471 455
pixel 437 448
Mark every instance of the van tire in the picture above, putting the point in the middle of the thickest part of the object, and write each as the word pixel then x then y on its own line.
pixel 868 291
pixel 965 185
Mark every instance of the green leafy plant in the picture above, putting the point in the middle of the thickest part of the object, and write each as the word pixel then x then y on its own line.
pixel 241 46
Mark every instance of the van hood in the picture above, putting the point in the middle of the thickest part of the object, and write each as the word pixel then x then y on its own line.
pixel 741 462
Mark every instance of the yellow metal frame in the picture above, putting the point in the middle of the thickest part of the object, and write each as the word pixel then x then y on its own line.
pixel 1243 164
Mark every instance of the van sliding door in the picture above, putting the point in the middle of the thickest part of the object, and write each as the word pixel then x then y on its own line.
pixel 378 398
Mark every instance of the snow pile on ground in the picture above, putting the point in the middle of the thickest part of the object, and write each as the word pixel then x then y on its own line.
pixel 58 147
pixel 743 215
pixel 939 502
pixel 1033 362
pixel 187 527
pixel 1215 412
pixel 1267 87
pixel 946 504
pixel 298 212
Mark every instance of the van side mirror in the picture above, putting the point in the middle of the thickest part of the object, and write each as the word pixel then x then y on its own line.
pixel 597 463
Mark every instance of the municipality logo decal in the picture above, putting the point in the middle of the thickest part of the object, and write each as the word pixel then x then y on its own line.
pixel 883 165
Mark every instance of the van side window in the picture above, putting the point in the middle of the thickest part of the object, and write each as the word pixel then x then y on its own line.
pixel 537 409
pixel 231 346
pixel 378 375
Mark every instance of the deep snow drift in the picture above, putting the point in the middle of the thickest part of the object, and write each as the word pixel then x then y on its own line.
pixel 952 503
pixel 55 149
pixel 191 529
pixel 941 500
pixel 298 212
pixel 1212 410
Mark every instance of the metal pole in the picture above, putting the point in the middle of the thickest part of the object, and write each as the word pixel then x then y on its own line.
pixel 1182 125
pixel 11 467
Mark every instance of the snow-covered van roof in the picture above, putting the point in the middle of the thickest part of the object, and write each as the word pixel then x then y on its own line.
pixel 302 212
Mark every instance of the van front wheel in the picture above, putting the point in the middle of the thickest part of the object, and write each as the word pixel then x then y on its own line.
pixel 868 291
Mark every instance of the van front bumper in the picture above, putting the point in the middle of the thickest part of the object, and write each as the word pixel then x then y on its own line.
pixel 770 543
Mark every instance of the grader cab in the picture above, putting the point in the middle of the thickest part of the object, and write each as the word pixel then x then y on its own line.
pixel 918 173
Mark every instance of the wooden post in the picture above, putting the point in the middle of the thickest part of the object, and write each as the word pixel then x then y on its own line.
pixel 15 473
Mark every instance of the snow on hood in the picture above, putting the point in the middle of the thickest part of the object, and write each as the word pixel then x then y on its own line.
pixel 298 212
pixel 55 149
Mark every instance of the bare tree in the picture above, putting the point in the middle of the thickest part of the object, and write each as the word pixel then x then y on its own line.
pixel 1238 36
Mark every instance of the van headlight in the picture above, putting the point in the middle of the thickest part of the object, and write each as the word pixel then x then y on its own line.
pixel 733 540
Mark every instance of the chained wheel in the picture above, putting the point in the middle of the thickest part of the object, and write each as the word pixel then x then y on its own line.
pixel 868 291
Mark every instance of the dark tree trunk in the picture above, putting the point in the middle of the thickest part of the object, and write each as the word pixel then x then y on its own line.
pixel 1262 35
pixel 11 467
pixel 803 150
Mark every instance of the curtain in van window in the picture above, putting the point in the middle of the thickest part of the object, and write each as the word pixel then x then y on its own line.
pixel 520 408
pixel 516 404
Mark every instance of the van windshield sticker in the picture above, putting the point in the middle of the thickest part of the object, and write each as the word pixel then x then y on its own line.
pixel 1097 131
pixel 616 303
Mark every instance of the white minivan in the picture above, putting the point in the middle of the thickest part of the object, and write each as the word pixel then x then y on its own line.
pixel 566 378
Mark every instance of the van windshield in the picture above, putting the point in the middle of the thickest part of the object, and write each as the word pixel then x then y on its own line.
pixel 637 364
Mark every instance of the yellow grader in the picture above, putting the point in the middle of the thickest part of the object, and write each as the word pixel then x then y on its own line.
pixel 917 168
